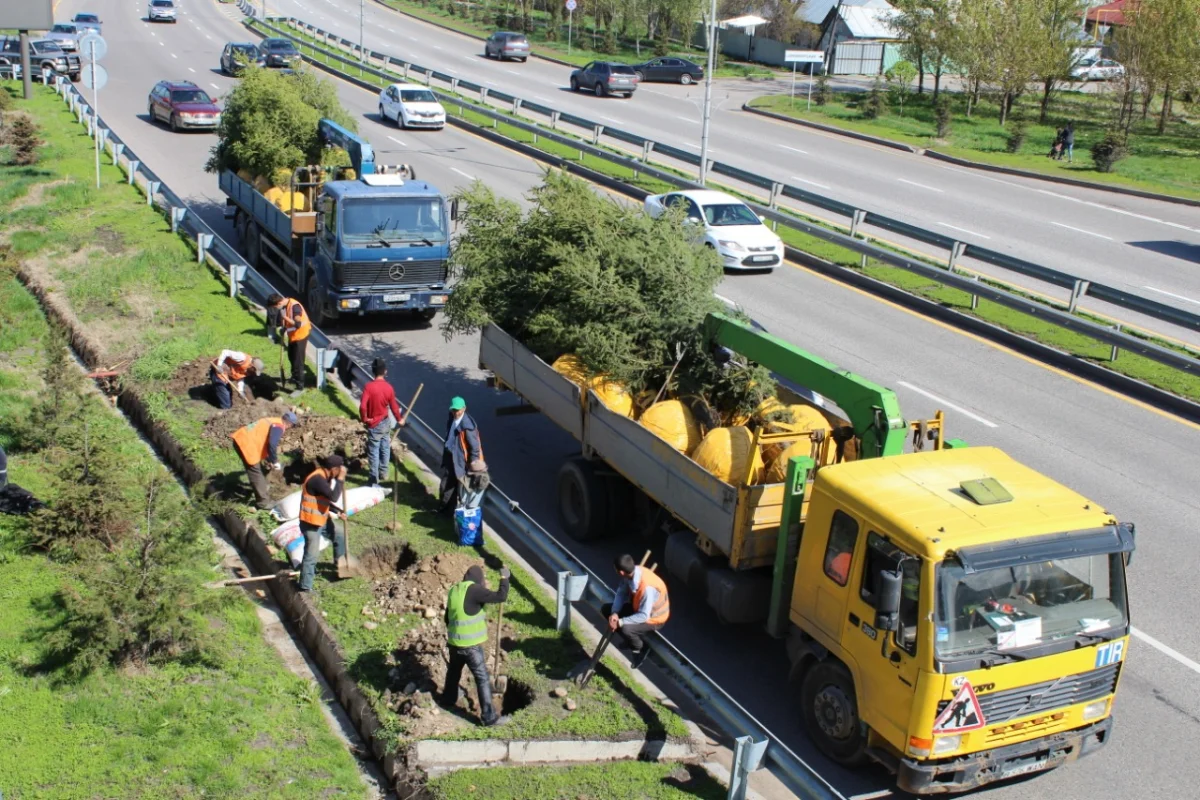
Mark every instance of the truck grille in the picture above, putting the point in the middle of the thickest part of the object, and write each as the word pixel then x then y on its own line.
pixel 407 274
pixel 1024 701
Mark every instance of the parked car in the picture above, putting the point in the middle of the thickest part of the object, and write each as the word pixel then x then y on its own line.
pixel 238 55
pixel 161 11
pixel 1097 69
pixel 279 53
pixel 10 72
pixel 605 78
pixel 506 44
pixel 411 106
pixel 669 69
pixel 66 34
pixel 730 227
pixel 86 20
pixel 183 105
pixel 43 53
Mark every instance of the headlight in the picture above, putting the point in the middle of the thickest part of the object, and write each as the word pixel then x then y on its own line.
pixel 348 304
pixel 1095 710
pixel 731 245
pixel 437 300
pixel 946 744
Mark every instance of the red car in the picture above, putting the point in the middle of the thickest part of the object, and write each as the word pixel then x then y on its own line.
pixel 183 105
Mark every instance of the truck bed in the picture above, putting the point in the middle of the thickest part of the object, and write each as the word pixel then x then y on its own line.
pixel 278 224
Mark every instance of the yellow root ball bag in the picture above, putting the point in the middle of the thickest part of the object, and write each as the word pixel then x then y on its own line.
pixel 728 453
pixel 673 422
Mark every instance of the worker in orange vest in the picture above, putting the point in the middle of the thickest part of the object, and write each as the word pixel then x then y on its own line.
pixel 287 322
pixel 639 607
pixel 322 492
pixel 228 373
pixel 259 442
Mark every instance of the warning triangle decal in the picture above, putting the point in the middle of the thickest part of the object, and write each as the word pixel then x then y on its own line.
pixel 963 714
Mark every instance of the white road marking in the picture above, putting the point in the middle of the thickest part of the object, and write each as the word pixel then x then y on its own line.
pixel 920 185
pixel 1172 294
pixel 218 88
pixel 162 44
pixel 685 119
pixel 794 149
pixel 1167 651
pixel 1081 230
pixel 610 119
pixel 402 144
pixel 512 71
pixel 437 47
pixel 174 55
pixel 810 183
pixel 948 404
pixel 465 175
pixel 191 70
pixel 724 300
pixel 1118 210
pixel 962 230
pixel 539 97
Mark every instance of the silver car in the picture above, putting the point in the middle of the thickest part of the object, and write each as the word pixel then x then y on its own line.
pixel 161 11
pixel 66 34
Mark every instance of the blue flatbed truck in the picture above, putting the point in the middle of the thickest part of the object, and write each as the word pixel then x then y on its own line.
pixel 377 244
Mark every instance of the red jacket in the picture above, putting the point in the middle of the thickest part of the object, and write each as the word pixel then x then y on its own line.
pixel 377 398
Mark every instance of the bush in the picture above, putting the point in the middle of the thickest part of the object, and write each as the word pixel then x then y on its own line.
pixel 943 115
pixel 900 79
pixel 824 93
pixel 1016 136
pixel 21 136
pixel 1108 151
pixel 874 105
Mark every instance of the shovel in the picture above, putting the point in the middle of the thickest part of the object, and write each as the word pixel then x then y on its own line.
pixel 282 358
pixel 499 682
pixel 583 677
pixel 347 566
pixel 395 469
pixel 239 581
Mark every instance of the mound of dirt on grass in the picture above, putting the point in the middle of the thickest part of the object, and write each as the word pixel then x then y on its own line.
pixel 190 376
pixel 317 437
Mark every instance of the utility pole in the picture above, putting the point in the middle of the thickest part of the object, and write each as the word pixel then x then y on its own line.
pixel 26 76
pixel 361 53
pixel 708 78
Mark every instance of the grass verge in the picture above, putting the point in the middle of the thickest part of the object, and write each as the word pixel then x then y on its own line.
pixel 1165 163
pixel 1130 364
pixel 629 780
pixel 143 296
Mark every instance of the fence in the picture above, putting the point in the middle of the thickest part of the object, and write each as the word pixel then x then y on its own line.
pixel 755 741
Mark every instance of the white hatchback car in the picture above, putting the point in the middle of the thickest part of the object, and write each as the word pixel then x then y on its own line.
pixel 1097 69
pixel 411 106
pixel 730 227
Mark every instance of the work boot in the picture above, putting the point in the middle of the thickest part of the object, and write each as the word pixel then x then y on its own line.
pixel 637 657
pixel 501 720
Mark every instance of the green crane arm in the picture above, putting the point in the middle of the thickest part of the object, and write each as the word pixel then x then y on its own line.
pixel 874 411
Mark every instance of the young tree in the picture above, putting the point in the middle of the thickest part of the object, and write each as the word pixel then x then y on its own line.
pixel 1058 40
pixel 928 28
pixel 900 80
pixel 1160 47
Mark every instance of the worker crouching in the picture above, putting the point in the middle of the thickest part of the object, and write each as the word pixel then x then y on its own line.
pixel 258 443
pixel 323 489
pixel 639 607
pixel 466 634
pixel 227 374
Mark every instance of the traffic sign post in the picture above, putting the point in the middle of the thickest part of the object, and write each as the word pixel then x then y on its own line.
pixel 93 47
pixel 803 57
pixel 570 22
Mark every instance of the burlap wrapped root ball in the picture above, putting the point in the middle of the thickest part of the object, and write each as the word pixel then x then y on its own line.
pixel 728 453
pixel 673 422
pixel 616 398
pixel 805 419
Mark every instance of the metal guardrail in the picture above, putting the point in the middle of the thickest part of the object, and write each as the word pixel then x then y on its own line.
pixel 505 513
pixel 1113 337
pixel 955 247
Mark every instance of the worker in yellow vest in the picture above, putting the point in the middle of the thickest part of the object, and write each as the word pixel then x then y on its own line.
pixel 639 607
pixel 322 492
pixel 258 442
pixel 288 322
pixel 466 633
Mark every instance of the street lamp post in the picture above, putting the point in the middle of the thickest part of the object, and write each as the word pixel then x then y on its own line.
pixel 361 53
pixel 708 77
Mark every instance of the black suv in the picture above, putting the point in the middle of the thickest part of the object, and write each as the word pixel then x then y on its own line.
pixel 238 55
pixel 279 53
pixel 605 78
pixel 42 53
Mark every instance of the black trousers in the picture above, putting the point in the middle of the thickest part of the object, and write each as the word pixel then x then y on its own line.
pixel 474 659
pixel 296 352
pixel 634 635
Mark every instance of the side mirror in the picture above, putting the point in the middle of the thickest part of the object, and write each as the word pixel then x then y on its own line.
pixel 693 220
pixel 1131 529
pixel 762 219
pixel 454 209
pixel 887 614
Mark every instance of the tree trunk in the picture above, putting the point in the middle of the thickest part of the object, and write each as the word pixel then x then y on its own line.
pixel 920 72
pixel 937 83
pixel 975 91
pixel 1004 107
pixel 1047 88
pixel 1166 109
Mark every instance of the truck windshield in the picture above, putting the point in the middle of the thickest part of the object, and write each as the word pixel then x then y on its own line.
pixel 394 218
pixel 1009 608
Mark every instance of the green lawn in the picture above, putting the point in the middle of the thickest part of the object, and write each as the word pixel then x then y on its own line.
pixel 1164 163
pixel 625 780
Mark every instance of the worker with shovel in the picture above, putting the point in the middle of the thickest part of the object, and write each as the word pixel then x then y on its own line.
pixel 466 633
pixel 227 374
pixel 639 607
pixel 258 442
pixel 324 487
pixel 380 412
pixel 288 324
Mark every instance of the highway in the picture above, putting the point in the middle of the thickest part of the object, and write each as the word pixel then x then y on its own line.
pixel 1143 246
pixel 1141 464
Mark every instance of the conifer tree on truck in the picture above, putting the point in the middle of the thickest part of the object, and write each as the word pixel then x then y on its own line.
pixel 948 613
pixel 375 243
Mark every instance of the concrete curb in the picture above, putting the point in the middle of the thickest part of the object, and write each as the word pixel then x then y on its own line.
pixel 436 754
pixel 879 140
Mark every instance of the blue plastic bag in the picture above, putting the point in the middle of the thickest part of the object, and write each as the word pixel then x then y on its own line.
pixel 469 523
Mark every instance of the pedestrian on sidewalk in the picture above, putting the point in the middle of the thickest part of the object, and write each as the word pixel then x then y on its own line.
pixel 323 490
pixel 257 443
pixel 1068 140
pixel 228 372
pixel 380 412
pixel 288 323
pixel 466 634
pixel 462 458
pixel 639 607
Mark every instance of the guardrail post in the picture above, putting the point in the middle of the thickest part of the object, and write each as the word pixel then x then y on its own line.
pixel 855 220
pixel 747 757
pixel 776 190
pixel 955 253
pixel 103 137
pixel 570 590
pixel 203 242
pixel 647 147
pixel 554 115
pixel 517 105
pixel 1077 291
pixel 237 272
pixel 406 66
pixel 323 364
pixel 1116 351
pixel 118 150
pixel 177 215
pixel 89 127
pixel 151 190
pixel 133 168
pixel 975 297
pixel 428 77
pixel 454 85
pixel 483 93
pixel 597 130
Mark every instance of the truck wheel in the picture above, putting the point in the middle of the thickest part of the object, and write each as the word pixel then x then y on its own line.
pixel 253 240
pixel 426 314
pixel 314 301
pixel 739 598
pixel 830 711
pixel 685 560
pixel 581 501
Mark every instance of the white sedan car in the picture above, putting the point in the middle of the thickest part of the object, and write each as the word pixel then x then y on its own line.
pixel 411 106
pixel 730 227
pixel 1097 69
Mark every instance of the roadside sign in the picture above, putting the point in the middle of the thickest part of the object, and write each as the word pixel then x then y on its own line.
pixel 92 46
pixel 804 56
pixel 571 5
pixel 94 76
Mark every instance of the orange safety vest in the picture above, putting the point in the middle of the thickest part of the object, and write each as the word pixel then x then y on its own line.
pixel 462 441
pixel 238 369
pixel 251 440
pixel 296 333
pixel 661 611
pixel 314 510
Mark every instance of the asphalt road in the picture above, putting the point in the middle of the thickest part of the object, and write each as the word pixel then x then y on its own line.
pixel 1143 246
pixel 1141 464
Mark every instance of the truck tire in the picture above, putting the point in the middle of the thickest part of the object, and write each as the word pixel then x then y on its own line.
pixel 426 314
pixel 739 598
pixel 314 301
pixel 830 709
pixel 581 501
pixel 685 561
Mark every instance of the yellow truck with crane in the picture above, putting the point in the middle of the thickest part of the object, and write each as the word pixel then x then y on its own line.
pixel 948 613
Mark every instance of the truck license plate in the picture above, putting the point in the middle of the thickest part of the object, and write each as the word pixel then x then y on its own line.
pixel 396 298
pixel 1025 769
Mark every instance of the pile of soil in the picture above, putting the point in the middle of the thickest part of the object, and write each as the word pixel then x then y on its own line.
pixel 317 437
pixel 191 379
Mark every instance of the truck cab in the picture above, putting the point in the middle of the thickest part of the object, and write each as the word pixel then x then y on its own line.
pixel 958 617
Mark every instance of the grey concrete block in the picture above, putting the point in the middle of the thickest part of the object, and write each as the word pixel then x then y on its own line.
pixel 430 753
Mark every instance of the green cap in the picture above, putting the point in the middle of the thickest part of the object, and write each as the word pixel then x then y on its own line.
pixel 458 404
